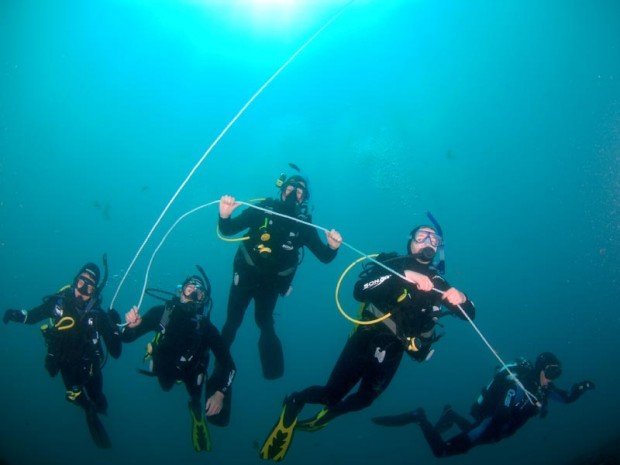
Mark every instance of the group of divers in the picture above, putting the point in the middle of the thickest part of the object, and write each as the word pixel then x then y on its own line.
pixel 405 312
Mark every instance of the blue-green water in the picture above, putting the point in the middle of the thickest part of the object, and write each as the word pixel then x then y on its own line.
pixel 502 118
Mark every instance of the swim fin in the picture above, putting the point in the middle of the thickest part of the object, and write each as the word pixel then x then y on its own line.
pixel 201 439
pixel 97 431
pixel 316 423
pixel 399 420
pixel 279 440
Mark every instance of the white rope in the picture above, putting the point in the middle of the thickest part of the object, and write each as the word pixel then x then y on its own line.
pixel 528 394
pixel 217 140
pixel 531 397
pixel 148 268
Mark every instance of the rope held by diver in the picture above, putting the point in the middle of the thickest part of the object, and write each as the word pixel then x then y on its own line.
pixel 531 397
pixel 217 140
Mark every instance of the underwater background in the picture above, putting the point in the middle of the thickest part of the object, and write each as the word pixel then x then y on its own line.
pixel 502 118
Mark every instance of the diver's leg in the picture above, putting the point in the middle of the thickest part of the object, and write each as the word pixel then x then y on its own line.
pixel 194 380
pixel 432 436
pixel 269 345
pixel 384 354
pixel 458 444
pixel 342 380
pixel 345 375
pixel 74 390
pixel 94 389
pixel 165 376
pixel 238 301
pixel 73 377
pixel 461 422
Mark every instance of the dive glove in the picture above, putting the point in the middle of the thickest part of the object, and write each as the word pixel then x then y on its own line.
pixel 13 315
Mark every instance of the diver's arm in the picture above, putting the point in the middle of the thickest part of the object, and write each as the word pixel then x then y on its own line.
pixel 320 250
pixel 37 314
pixel 576 391
pixel 225 376
pixel 111 335
pixel 150 322
pixel 247 218
pixel 380 286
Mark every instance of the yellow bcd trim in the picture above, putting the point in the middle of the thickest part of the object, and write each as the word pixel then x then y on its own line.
pixel 72 395
pixel 235 239
pixel 227 239
pixel 262 249
pixel 412 345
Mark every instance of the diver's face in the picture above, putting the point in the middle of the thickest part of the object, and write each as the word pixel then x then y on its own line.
pixel 84 287
pixel 424 237
pixel 300 191
pixel 192 293
pixel 551 372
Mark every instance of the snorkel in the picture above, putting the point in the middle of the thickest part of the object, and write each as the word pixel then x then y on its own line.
pixel 208 299
pixel 440 262
pixel 104 281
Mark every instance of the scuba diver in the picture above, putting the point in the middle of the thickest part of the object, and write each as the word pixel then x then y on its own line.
pixel 179 352
pixel 73 338
pixel 373 352
pixel 266 262
pixel 502 408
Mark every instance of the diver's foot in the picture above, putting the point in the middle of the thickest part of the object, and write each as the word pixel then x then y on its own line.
pixel 446 420
pixel 316 423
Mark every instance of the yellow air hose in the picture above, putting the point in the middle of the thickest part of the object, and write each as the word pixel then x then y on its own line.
pixel 337 295
pixel 65 323
pixel 235 239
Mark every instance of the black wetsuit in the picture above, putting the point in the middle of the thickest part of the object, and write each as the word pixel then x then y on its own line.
pixel 264 267
pixel 76 352
pixel 500 411
pixel 180 349
pixel 373 353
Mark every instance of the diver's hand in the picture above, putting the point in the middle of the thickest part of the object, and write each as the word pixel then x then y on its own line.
pixel 227 206
pixel 214 404
pixel 13 315
pixel 454 296
pixel 421 281
pixel 584 386
pixel 132 317
pixel 334 239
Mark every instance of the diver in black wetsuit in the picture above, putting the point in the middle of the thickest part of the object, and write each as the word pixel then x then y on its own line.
pixel 502 408
pixel 73 338
pixel 180 351
pixel 373 353
pixel 266 262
